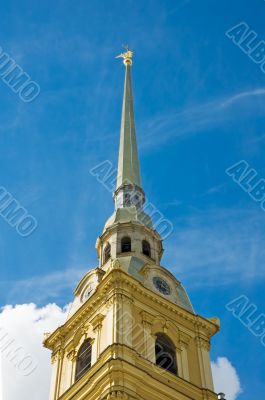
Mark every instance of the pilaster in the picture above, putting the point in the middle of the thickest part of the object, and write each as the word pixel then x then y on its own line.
pixel 183 343
pixel 97 328
pixel 149 338
pixel 203 348
pixel 71 356
pixel 57 361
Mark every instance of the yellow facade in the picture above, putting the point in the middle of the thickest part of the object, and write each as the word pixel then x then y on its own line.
pixel 124 305
pixel 122 318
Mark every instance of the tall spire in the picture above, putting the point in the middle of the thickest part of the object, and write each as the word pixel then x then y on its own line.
pixel 128 186
pixel 128 164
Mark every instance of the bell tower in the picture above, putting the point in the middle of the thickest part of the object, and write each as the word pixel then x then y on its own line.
pixel 132 333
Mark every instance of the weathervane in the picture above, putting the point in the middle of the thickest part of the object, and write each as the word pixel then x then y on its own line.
pixel 127 56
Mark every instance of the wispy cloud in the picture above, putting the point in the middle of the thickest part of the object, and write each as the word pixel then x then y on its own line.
pixel 201 117
pixel 215 189
pixel 179 6
pixel 174 203
pixel 256 139
pixel 40 289
pixel 217 247
pixel 242 95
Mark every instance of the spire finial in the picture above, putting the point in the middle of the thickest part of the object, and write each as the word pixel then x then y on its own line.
pixel 127 56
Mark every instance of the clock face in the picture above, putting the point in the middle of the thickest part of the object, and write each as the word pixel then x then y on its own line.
pixel 87 293
pixel 161 285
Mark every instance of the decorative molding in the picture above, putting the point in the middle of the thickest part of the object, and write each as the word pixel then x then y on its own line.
pixel 79 333
pixel 215 320
pixel 147 319
pixel 115 264
pixel 184 339
pixel 46 335
pixel 58 355
pixel 127 298
pixel 71 355
pixel 117 394
pixel 84 330
pixel 166 327
pixel 109 300
pixel 131 226
pixel 203 343
pixel 97 321
pixel 118 296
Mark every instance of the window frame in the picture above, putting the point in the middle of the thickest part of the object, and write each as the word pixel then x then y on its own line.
pixel 124 243
pixel 167 347
pixel 80 370
pixel 107 252
pixel 146 250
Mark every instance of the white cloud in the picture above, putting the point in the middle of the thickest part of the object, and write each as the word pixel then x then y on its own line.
pixel 23 326
pixel 225 378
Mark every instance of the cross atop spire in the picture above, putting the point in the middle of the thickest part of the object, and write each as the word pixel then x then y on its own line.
pixel 127 56
pixel 128 164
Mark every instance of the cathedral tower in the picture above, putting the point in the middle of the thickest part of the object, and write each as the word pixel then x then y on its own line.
pixel 131 333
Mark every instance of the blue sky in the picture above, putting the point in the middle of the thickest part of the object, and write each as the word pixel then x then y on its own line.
pixel 199 105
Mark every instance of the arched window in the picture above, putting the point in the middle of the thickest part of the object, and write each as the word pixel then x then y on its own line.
pixel 146 249
pixel 125 244
pixel 83 362
pixel 107 252
pixel 165 353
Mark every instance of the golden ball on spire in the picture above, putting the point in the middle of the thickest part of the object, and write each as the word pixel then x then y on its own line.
pixel 127 57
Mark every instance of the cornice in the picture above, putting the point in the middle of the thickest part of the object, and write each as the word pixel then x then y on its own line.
pixel 115 228
pixel 114 283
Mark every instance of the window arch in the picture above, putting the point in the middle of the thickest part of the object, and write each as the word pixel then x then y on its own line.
pixel 83 362
pixel 125 244
pixel 146 248
pixel 165 353
pixel 107 252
